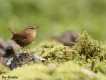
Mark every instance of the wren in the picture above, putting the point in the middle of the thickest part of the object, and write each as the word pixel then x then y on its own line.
pixel 24 37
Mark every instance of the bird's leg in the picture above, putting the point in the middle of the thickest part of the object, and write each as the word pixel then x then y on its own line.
pixel 26 50
pixel 22 49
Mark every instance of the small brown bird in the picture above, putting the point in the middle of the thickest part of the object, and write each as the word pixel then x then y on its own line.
pixel 24 37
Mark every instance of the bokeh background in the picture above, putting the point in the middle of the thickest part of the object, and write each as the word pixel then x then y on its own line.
pixel 54 17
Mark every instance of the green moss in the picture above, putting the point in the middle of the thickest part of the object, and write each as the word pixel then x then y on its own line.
pixel 85 47
pixel 89 47
pixel 87 52
pixel 54 52
pixel 38 72
pixel 65 62
pixel 3 69
pixel 64 71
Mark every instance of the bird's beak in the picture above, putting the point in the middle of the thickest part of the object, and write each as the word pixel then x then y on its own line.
pixel 37 27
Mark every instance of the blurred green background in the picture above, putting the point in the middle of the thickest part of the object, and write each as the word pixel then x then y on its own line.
pixel 54 17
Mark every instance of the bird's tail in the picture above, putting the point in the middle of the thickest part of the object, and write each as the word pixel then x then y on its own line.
pixel 11 31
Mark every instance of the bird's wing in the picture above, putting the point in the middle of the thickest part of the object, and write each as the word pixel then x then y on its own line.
pixel 18 37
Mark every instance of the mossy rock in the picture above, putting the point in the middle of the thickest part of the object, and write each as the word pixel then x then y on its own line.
pixel 65 62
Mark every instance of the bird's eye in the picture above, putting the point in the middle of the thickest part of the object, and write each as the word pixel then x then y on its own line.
pixel 31 28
